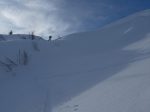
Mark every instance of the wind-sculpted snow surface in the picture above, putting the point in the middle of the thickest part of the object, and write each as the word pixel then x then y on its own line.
pixel 99 71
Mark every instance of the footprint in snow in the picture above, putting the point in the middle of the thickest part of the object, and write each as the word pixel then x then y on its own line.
pixel 76 107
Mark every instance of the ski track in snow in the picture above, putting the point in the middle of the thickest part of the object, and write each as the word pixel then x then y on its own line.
pixel 128 30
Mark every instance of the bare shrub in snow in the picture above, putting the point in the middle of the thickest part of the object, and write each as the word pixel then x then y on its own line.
pixel 9 64
pixel 35 46
pixel 23 57
pixel 6 66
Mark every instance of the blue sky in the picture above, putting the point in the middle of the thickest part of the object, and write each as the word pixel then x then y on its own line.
pixel 62 17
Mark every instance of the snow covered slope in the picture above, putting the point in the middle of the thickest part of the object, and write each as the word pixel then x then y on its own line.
pixel 100 71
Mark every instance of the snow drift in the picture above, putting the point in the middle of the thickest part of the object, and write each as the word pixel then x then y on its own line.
pixel 104 70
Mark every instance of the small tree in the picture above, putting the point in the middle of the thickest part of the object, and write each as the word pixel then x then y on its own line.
pixel 11 32
pixel 32 36
pixel 50 38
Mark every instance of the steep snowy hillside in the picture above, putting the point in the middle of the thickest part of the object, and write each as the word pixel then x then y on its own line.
pixel 99 71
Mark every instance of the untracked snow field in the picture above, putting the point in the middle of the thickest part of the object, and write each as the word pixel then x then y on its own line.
pixel 99 71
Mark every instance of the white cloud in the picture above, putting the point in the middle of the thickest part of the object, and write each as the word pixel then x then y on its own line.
pixel 44 17
pixel 25 16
